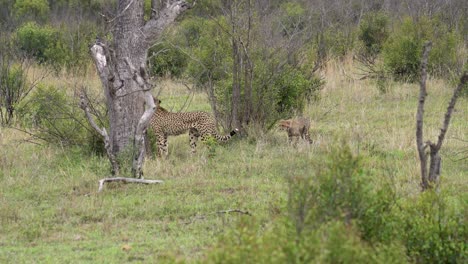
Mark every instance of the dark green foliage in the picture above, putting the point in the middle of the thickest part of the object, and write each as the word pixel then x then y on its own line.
pixel 373 32
pixel 403 49
pixel 35 39
pixel 65 48
pixel 164 59
pixel 295 89
pixel 435 228
pixel 292 18
pixel 55 118
pixel 205 39
pixel 278 89
pixel 70 51
pixel 339 41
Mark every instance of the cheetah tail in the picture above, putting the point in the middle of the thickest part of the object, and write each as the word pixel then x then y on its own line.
pixel 227 137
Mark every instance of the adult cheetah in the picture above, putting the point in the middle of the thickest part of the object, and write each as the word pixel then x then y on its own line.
pixel 199 124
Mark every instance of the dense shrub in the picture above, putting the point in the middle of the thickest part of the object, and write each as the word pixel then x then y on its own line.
pixel 278 89
pixel 292 18
pixel 295 89
pixel 35 39
pixel 435 228
pixel 164 59
pixel 66 48
pixel 70 51
pixel 402 51
pixel 373 32
pixel 210 48
pixel 55 118
pixel 49 111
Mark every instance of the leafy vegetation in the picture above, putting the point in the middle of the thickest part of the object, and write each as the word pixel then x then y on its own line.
pixel 402 51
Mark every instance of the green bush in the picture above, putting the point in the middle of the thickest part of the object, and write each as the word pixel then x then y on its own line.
pixel 164 59
pixel 403 49
pixel 277 89
pixel 70 51
pixel 435 228
pixel 55 118
pixel 35 39
pixel 295 89
pixel 60 48
pixel 373 32
pixel 50 112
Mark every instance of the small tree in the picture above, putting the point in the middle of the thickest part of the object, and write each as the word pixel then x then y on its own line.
pixel 430 178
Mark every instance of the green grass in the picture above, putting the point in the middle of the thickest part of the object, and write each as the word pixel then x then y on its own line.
pixel 50 211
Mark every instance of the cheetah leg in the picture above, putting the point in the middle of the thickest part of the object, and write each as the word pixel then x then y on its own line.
pixel 307 138
pixel 193 135
pixel 162 146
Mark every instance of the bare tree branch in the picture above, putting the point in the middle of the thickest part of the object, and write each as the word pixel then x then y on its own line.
pixel 451 106
pixel 125 180
pixel 155 27
pixel 103 133
pixel 234 211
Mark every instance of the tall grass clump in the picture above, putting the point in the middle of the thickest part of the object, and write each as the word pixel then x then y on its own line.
pixel 13 87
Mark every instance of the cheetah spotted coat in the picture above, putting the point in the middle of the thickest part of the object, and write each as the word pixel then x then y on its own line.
pixel 199 124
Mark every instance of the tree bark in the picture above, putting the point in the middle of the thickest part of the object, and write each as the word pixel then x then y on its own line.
pixel 420 117
pixel 124 86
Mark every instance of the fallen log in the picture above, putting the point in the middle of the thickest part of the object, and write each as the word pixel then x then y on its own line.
pixel 126 180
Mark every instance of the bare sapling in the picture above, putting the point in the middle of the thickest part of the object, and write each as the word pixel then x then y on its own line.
pixel 430 175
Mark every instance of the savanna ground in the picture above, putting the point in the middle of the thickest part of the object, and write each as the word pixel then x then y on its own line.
pixel 50 210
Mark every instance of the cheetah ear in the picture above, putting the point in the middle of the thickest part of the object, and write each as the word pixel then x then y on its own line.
pixel 283 123
pixel 156 100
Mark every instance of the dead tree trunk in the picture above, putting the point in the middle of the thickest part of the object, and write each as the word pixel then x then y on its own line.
pixel 430 179
pixel 121 66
